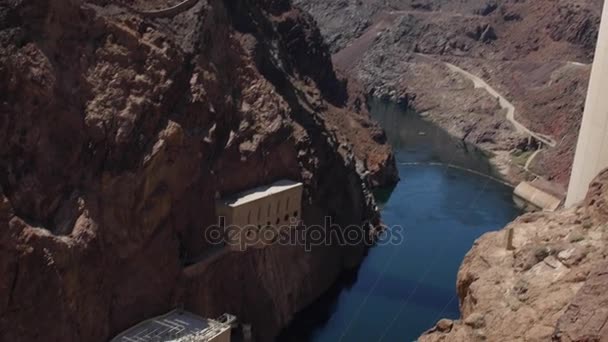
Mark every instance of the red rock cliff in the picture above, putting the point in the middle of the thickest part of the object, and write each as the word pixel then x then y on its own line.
pixel 117 132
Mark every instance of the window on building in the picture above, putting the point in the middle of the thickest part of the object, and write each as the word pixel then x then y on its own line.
pixel 287 204
pixel 286 218
pixel 295 213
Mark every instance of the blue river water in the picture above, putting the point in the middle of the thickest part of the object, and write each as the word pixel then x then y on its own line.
pixel 401 290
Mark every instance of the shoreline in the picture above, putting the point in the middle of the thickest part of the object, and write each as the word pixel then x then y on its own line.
pixel 500 160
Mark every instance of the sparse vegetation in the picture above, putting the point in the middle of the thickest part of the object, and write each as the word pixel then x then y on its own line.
pixel 520 157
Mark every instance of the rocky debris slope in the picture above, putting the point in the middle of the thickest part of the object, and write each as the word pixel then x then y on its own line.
pixel 117 134
pixel 550 287
pixel 524 49
pixel 492 29
pixel 549 97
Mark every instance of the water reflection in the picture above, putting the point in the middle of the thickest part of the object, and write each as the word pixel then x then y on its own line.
pixel 401 290
pixel 417 140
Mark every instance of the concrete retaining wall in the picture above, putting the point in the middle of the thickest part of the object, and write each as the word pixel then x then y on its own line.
pixel 536 197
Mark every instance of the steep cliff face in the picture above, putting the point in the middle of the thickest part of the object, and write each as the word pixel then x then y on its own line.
pixel 503 29
pixel 550 287
pixel 117 132
pixel 535 53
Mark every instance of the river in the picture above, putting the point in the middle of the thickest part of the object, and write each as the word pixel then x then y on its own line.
pixel 447 198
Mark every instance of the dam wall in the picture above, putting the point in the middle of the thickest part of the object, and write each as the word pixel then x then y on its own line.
pixel 592 148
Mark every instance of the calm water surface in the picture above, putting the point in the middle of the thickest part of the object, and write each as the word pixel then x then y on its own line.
pixel 401 290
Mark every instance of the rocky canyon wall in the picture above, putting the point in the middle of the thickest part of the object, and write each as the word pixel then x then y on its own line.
pixel 535 53
pixel 117 134
pixel 551 286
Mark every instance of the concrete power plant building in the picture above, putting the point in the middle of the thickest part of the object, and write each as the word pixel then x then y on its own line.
pixel 592 148
pixel 179 326
pixel 250 214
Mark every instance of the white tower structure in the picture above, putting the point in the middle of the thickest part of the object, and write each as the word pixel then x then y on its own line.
pixel 592 148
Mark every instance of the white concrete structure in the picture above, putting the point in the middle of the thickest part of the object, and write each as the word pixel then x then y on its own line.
pixel 179 326
pixel 536 197
pixel 254 211
pixel 592 149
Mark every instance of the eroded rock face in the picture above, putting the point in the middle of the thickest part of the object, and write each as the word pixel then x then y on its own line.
pixel 551 287
pixel 118 131
pixel 523 49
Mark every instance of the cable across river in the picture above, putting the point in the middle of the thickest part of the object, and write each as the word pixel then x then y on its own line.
pixel 452 166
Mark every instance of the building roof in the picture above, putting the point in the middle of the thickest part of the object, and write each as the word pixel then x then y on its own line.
pixel 177 325
pixel 259 192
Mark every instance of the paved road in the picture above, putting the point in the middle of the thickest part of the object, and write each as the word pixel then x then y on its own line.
pixel 530 159
pixel 504 103
pixel 579 64
pixel 346 58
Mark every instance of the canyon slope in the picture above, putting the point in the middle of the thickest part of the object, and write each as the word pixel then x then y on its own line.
pixel 550 286
pixel 550 282
pixel 120 126
pixel 534 53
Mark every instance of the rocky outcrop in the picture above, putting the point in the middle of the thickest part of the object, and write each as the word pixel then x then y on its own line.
pixel 576 25
pixel 524 49
pixel 549 287
pixel 487 8
pixel 483 33
pixel 118 132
